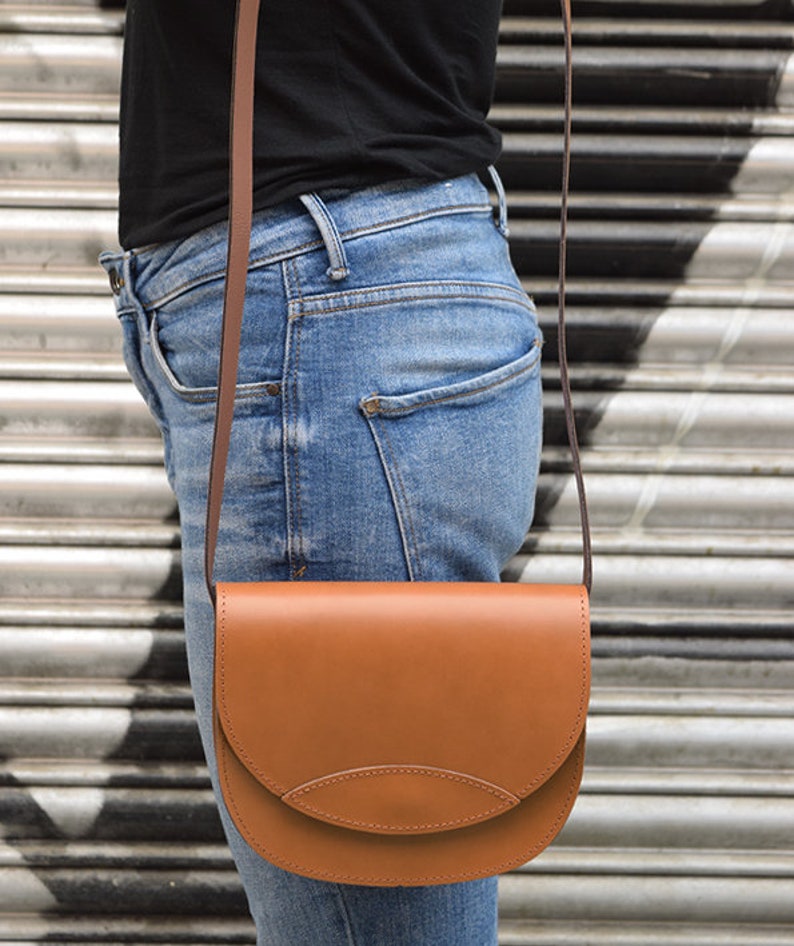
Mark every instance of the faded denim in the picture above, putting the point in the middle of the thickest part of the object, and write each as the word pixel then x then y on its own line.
pixel 387 426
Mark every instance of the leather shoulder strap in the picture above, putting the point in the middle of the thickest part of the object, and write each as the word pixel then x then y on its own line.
pixel 241 183
pixel 565 382
pixel 240 214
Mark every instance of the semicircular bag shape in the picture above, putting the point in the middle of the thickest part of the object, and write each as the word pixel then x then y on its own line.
pixel 400 734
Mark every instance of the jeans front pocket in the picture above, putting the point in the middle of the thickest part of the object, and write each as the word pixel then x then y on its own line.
pixel 461 462
pixel 133 343
pixel 185 335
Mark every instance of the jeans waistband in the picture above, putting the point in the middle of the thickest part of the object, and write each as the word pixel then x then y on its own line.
pixel 328 218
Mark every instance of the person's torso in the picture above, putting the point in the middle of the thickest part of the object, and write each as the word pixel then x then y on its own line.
pixel 349 93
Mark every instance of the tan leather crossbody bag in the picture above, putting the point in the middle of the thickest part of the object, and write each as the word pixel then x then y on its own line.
pixel 390 733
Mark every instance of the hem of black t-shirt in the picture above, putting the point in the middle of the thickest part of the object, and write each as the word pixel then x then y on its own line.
pixel 179 227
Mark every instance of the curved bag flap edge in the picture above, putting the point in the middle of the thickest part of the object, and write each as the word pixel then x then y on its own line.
pixel 523 848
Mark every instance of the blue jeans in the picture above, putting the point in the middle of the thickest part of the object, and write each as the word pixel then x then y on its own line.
pixel 387 426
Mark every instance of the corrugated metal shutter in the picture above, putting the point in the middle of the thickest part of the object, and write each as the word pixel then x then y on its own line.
pixel 682 269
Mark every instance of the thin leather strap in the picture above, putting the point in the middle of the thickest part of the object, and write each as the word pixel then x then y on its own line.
pixel 241 185
pixel 240 214
pixel 570 420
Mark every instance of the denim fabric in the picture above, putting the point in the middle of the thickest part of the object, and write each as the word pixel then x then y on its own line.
pixel 387 426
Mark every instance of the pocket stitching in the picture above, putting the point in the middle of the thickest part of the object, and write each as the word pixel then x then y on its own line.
pixel 399 496
pixel 374 403
pixel 430 290
pixel 243 391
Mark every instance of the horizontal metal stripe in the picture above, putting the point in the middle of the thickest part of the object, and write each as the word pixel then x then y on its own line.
pixel 634 32
pixel 72 611
pixel 751 900
pixel 556 459
pixel 634 933
pixel 85 279
pixel 77 65
pixel 654 581
pixel 88 491
pixel 675 824
pixel 58 107
pixel 762 901
pixel 714 338
pixel 66 532
pixel 680 334
pixel 635 290
pixel 716 584
pixel 638 862
pixel 144 894
pixel 28 18
pixel 58 194
pixel 84 572
pixel 90 64
pixel 687 540
pixel 725 741
pixel 137 694
pixel 613 702
pixel 684 502
pixel 598 780
pixel 81 152
pixel 711 207
pixel 676 420
pixel 711 649
pixel 736 629
pixel 145 854
pixel 661 249
pixel 147 774
pixel 766 643
pixel 59 323
pixel 62 367
pixel 84 156
pixel 50 366
pixel 661 119
pixel 31 930
pixel 655 249
pixel 91 654
pixel 764 378
pixel 555 860
pixel 698 462
pixel 725 77
pixel 52 409
pixel 645 377
pixel 699 419
pixel 66 366
pixel 682 701
pixel 648 163
pixel 97 732
pixel 548 539
pixel 115 815
pixel 66 237
pixel 88 278
pixel 743 783
pixel 147 451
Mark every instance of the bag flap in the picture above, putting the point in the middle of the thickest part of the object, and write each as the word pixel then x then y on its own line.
pixel 403 708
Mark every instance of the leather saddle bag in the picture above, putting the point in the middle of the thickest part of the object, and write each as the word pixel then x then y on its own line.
pixel 386 733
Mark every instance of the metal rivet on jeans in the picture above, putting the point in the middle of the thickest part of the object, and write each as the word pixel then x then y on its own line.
pixel 116 281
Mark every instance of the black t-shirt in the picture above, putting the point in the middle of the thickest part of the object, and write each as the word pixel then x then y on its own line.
pixel 348 93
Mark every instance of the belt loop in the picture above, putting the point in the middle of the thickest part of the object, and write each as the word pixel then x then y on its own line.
pixel 330 233
pixel 500 193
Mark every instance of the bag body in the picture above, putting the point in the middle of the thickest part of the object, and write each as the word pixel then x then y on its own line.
pixel 383 733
